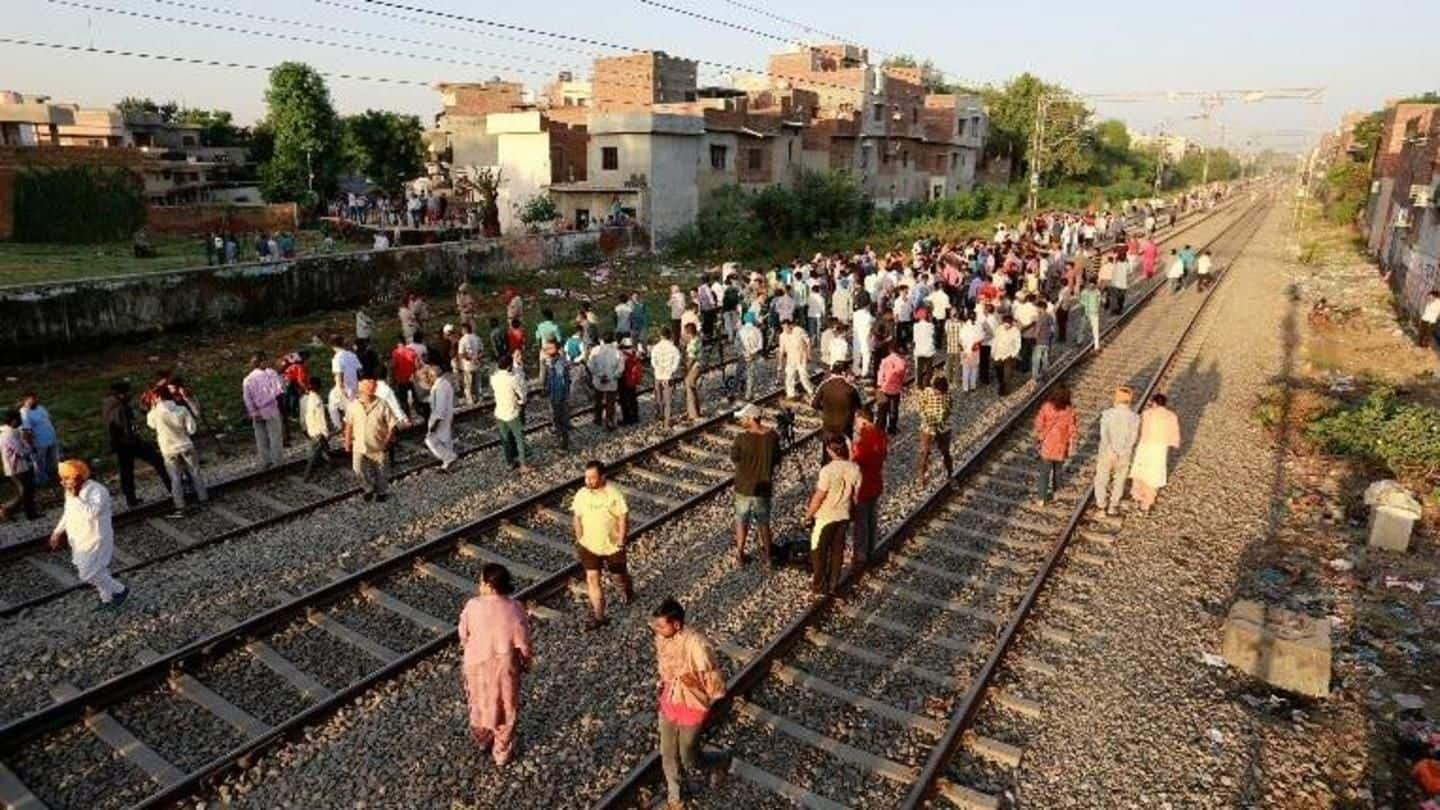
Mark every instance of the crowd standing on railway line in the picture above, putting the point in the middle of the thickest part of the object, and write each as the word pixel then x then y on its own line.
pixel 933 322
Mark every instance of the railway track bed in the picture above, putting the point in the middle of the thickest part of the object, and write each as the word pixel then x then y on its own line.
pixel 353 633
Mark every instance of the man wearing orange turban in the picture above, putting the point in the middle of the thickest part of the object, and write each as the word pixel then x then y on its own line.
pixel 86 525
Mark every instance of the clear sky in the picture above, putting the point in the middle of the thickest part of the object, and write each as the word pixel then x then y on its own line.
pixel 1361 53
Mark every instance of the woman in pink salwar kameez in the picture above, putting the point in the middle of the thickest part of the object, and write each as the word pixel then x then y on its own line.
pixel 1149 253
pixel 496 643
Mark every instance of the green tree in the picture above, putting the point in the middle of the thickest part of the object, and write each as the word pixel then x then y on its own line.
pixel 217 127
pixel 308 151
pixel 131 106
pixel 1367 135
pixel 385 147
pixel 1014 110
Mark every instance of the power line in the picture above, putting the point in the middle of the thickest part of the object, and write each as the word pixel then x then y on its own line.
pixel 294 38
pixel 355 33
pixel 572 37
pixel 796 23
pixel 327 43
pixel 188 60
pixel 433 24
pixel 716 21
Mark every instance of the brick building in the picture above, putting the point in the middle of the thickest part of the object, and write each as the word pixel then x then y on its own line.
pixel 1403 223
pixel 638 81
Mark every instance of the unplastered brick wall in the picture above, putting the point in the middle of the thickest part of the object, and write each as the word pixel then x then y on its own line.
pixel 208 218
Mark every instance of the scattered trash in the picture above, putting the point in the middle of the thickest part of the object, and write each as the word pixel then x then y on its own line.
pixel 1213 660
pixel 1408 702
pixel 1273 576
pixel 1427 774
pixel 1216 736
pixel 1343 384
pixel 1397 582
pixel 1389 493
pixel 1341 564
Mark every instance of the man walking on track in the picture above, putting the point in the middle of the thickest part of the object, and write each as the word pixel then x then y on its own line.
pixel 438 437
pixel 836 491
pixel 756 454
pixel 125 440
pixel 369 428
pixel 795 359
pixel 1119 428
pixel 837 399
pixel 85 525
pixel 690 680
pixel 262 389
pixel 664 364
pixel 602 524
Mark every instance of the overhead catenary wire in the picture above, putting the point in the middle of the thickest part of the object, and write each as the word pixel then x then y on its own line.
pixel 797 24
pixel 220 63
pixel 213 26
pixel 191 60
pixel 334 29
pixel 716 21
pixel 725 66
pixel 332 44
pixel 451 28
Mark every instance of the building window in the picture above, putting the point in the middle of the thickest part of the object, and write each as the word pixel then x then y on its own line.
pixel 790 152
pixel 914 115
pixel 609 158
pixel 865 156
pixel 756 158
pixel 878 111
pixel 905 159
pixel 717 156
pixel 961 129
pixel 954 159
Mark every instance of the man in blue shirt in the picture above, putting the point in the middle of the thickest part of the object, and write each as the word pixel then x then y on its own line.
pixel 555 376
pixel 35 421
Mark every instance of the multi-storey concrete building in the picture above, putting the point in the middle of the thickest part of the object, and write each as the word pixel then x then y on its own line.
pixel 1403 223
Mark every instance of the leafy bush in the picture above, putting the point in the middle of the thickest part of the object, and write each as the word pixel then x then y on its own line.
pixel 1403 437
pixel 78 204
pixel 539 210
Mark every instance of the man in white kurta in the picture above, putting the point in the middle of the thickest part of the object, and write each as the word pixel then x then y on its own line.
pixel 442 417
pixel 85 524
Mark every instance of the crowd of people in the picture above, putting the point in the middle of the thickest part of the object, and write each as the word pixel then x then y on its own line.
pixel 227 247
pixel 882 326
pixel 933 322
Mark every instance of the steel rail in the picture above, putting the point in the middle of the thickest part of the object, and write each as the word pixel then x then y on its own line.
pixel 161 504
pixel 963 717
pixel 192 656
pixel 38 545
pixel 758 667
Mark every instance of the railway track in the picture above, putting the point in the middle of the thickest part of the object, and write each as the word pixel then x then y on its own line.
pixel 910 686
pixel 31 576
pixel 321 649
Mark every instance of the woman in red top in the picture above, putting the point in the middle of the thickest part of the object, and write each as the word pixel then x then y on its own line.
pixel 1057 433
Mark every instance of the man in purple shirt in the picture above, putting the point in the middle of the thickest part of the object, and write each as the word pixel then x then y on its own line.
pixel 262 389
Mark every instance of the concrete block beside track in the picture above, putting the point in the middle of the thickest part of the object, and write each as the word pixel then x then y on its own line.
pixel 1283 648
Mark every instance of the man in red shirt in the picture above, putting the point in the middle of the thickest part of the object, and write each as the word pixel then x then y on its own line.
pixel 868 450
pixel 515 336
pixel 403 362
pixel 890 382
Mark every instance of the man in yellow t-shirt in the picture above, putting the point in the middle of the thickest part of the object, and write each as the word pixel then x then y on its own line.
pixel 602 522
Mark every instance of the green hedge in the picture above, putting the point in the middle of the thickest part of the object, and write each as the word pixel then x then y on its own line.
pixel 78 204
pixel 1403 437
